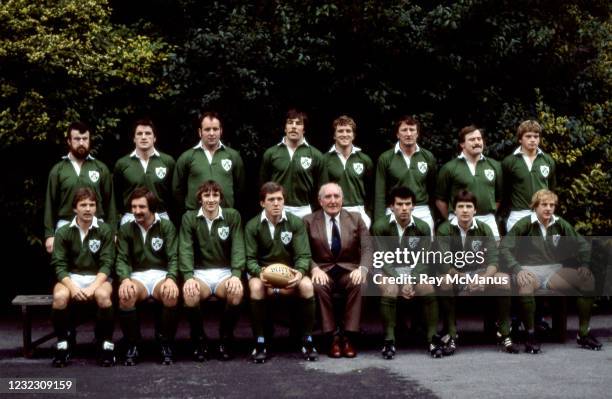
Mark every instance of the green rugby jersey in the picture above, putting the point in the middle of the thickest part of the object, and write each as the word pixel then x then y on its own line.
pixel 478 238
pixel 192 169
pixel 298 175
pixel 537 250
pixel 392 171
pixel 223 246
pixel 63 182
pixel 288 246
pixel 129 174
pixel 416 237
pixel 520 183
pixel 157 251
pixel 486 184
pixel 355 177
pixel 96 254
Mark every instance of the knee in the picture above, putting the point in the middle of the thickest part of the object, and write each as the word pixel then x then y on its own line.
pixel 170 302
pixel 191 301
pixel 125 304
pixel 234 299
pixel 103 298
pixel 504 284
pixel 424 289
pixel 306 288
pixel 256 288
pixel 389 290
pixel 60 300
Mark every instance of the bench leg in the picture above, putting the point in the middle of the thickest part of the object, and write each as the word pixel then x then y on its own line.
pixel 27 331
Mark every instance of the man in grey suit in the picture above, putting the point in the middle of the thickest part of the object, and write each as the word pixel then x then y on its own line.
pixel 341 256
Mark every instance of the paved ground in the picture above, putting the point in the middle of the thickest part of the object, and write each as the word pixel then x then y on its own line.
pixel 477 370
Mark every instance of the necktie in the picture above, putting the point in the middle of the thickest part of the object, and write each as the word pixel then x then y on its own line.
pixel 336 244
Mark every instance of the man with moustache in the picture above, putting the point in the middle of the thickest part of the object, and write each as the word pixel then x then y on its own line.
pixel 75 170
pixel 147 267
pixel 144 167
pixel 350 167
pixel 408 165
pixel 474 172
pixel 341 256
pixel 295 165
pixel 210 159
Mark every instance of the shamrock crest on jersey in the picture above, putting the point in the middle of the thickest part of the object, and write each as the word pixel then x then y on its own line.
pixel 476 245
pixel 358 167
pixel 156 243
pixel 223 232
pixel 413 242
pixel 544 170
pixel 555 239
pixel 306 162
pixel 286 237
pixel 94 176
pixel 160 172
pixel 489 174
pixel 422 166
pixel 94 245
pixel 226 164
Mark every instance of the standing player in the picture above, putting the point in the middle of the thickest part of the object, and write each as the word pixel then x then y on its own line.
pixel 543 250
pixel 348 166
pixel 527 170
pixel 210 159
pixel 147 267
pixel 412 233
pixel 144 167
pixel 407 165
pixel 295 165
pixel 211 259
pixel 83 255
pixel 75 170
pixel 474 172
pixel 474 248
pixel 276 236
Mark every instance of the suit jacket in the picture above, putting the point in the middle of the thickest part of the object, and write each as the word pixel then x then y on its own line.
pixel 356 249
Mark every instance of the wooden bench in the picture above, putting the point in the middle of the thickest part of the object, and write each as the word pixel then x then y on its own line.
pixel 27 302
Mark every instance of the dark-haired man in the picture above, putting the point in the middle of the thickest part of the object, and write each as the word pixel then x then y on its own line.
pixel 473 248
pixel 407 165
pixel 147 267
pixel 295 165
pixel 83 255
pixel 210 159
pixel 276 236
pixel 402 230
pixel 75 170
pixel 211 260
pixel 144 167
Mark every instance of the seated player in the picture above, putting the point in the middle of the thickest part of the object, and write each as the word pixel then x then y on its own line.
pixel 83 255
pixel 472 244
pixel 147 267
pixel 403 230
pixel 543 250
pixel 275 236
pixel 211 260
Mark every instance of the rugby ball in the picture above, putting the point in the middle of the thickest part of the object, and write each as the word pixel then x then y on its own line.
pixel 277 274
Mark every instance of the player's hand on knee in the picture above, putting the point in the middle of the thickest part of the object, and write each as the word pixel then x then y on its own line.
pixel 319 276
pixel 77 294
pixel 127 290
pixel 89 292
pixel 233 285
pixel 49 244
pixel 191 288
pixel 407 291
pixel 584 272
pixel 169 289
pixel 297 276
pixel 525 278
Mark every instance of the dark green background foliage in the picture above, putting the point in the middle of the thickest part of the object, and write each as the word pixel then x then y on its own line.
pixel 493 63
